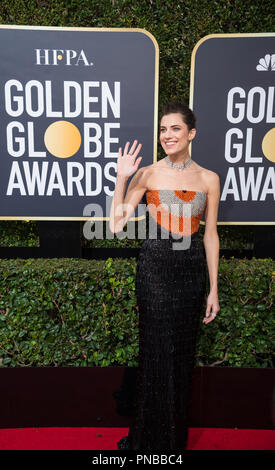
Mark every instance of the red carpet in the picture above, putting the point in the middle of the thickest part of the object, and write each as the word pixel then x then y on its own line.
pixel 106 439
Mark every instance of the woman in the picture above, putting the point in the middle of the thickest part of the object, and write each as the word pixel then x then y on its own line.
pixel 170 278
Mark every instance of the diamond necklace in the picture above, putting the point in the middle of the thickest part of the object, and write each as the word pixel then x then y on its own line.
pixel 179 167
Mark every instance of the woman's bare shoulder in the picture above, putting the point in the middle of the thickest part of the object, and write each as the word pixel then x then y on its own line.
pixel 211 178
pixel 143 174
pixel 148 169
pixel 155 166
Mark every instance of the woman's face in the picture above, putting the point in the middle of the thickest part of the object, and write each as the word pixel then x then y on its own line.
pixel 175 136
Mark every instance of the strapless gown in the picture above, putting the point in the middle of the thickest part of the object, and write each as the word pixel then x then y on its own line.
pixel 170 291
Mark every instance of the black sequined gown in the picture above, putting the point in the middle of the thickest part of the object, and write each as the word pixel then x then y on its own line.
pixel 170 291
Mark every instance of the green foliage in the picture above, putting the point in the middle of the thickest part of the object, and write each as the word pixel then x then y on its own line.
pixel 19 233
pixel 26 233
pixel 75 312
pixel 67 312
pixel 242 335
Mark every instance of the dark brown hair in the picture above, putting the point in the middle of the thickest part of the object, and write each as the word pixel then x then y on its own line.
pixel 188 116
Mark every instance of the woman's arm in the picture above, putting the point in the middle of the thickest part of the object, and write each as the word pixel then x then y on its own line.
pixel 121 209
pixel 212 245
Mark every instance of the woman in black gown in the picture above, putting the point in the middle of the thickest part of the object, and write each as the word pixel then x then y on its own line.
pixel 170 277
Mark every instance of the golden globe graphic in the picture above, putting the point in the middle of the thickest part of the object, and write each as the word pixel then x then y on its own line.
pixel 268 145
pixel 68 101
pixel 62 139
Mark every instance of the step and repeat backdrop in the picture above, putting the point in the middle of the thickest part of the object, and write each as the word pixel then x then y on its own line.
pixel 232 95
pixel 69 98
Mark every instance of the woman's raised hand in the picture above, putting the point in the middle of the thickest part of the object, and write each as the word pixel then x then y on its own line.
pixel 126 164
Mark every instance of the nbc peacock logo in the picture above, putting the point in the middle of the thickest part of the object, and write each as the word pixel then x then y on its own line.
pixel 266 63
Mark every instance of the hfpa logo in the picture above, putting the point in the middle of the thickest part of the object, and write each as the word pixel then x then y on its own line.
pixel 61 56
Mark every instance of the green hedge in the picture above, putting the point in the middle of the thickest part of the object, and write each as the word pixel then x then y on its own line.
pixel 26 233
pixel 75 312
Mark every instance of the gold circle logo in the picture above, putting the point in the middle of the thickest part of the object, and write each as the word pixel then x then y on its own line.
pixel 268 145
pixel 62 139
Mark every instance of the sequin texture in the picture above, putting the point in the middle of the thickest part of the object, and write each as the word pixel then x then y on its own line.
pixel 175 212
pixel 170 290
